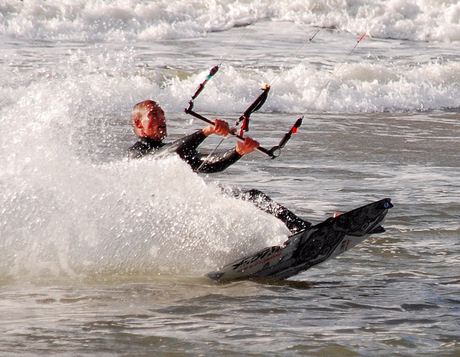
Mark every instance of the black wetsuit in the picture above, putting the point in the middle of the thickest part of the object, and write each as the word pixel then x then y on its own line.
pixel 186 148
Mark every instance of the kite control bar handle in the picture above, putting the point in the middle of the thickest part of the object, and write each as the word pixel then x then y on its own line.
pixel 239 137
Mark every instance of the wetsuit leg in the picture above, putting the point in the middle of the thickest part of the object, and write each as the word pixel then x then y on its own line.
pixel 262 201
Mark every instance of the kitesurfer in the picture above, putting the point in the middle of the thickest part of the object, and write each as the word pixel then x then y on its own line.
pixel 149 125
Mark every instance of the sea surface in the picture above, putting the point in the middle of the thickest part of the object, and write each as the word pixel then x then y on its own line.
pixel 102 256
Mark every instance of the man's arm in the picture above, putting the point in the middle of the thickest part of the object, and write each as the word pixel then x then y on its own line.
pixel 186 148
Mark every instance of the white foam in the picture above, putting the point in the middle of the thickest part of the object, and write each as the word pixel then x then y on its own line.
pixel 68 211
pixel 91 20
pixel 363 87
pixel 66 218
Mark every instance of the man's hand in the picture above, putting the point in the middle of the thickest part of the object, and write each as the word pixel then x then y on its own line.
pixel 249 145
pixel 220 127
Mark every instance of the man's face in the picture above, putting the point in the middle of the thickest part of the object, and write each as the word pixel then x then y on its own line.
pixel 154 123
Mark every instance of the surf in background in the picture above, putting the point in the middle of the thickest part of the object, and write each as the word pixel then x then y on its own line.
pixel 130 20
pixel 73 207
pixel 132 41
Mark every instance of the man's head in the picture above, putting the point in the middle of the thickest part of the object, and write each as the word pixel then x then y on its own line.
pixel 148 120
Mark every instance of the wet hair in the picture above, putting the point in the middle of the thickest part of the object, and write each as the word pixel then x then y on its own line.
pixel 140 108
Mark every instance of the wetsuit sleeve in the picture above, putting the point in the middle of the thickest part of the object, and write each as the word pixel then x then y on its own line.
pixel 186 148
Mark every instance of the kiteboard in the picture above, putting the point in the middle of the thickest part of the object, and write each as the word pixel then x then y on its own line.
pixel 310 247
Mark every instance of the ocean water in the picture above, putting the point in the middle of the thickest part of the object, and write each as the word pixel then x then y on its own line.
pixel 105 256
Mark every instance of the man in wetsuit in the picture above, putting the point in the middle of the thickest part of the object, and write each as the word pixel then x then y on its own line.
pixel 149 125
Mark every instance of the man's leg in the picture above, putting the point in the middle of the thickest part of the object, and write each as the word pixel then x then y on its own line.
pixel 294 223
